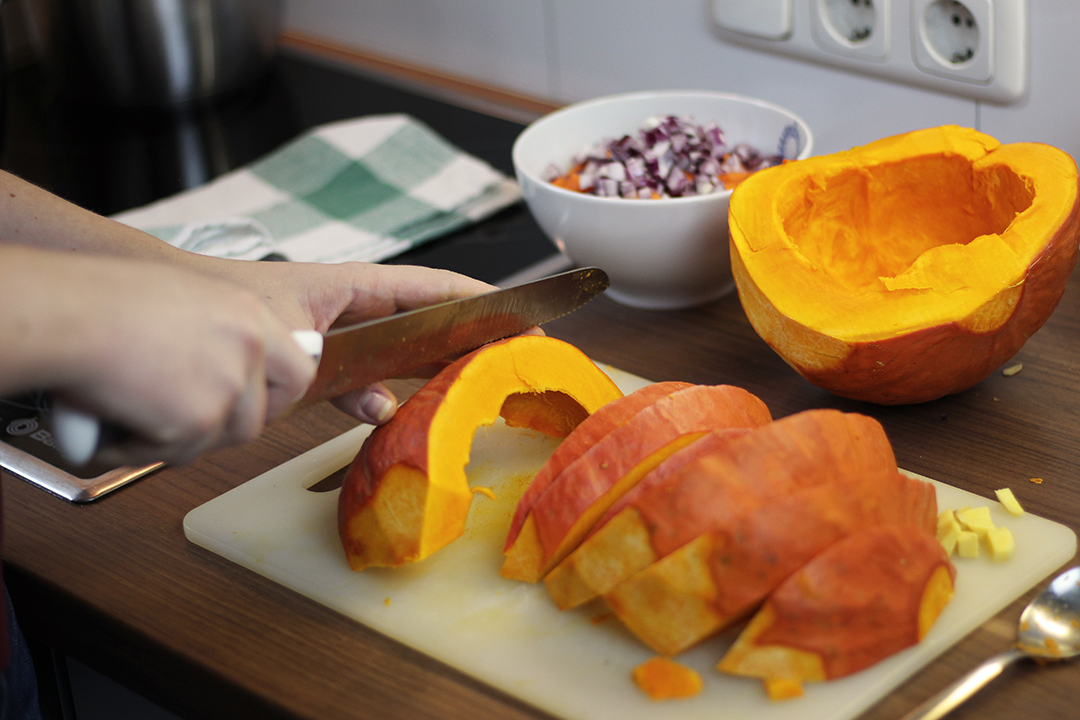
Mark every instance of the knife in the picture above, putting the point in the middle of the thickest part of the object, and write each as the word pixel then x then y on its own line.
pixel 358 355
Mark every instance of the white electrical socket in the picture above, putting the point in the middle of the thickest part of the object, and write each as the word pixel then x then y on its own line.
pixel 970 48
pixel 852 28
pixel 954 38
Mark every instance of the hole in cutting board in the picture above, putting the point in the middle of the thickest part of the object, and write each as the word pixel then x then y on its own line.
pixel 333 481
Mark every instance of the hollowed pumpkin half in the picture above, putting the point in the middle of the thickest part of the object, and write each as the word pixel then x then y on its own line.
pixel 909 268
pixel 406 494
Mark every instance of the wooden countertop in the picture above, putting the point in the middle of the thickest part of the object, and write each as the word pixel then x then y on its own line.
pixel 116 585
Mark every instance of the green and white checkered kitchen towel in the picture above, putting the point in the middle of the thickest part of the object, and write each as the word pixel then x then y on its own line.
pixel 363 189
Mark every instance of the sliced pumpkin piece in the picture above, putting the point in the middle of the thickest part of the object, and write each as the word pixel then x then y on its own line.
pixel 562 516
pixel 909 268
pixel 712 481
pixel 860 600
pixel 610 554
pixel 723 574
pixel 406 495
pixel 586 434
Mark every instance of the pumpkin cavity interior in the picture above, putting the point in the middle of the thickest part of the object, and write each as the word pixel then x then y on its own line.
pixel 866 225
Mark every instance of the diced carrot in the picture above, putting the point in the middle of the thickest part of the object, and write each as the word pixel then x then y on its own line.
pixel 731 179
pixel 570 181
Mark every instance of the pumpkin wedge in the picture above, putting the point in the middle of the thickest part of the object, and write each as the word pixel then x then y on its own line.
pixel 406 495
pixel 859 601
pixel 909 268
pixel 729 475
pixel 586 434
pixel 560 518
pixel 610 554
pixel 723 574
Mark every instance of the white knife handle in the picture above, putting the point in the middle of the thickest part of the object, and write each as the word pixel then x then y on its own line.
pixel 78 434
pixel 310 341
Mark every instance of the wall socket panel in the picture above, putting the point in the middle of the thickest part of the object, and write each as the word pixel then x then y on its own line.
pixel 970 48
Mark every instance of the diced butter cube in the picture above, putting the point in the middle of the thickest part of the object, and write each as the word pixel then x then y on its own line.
pixel 1008 500
pixel 948 530
pixel 946 523
pixel 783 688
pixel 967 544
pixel 1000 542
pixel 976 519
pixel 950 538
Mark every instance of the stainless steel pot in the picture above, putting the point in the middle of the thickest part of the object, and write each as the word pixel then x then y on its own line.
pixel 175 52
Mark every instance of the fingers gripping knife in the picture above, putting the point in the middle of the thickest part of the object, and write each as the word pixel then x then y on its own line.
pixel 356 356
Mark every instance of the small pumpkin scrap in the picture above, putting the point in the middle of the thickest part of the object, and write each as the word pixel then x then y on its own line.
pixel 405 495
pixel 662 678
pixel 909 268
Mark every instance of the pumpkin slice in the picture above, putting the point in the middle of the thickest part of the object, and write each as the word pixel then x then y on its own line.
pixel 610 554
pixel 909 268
pixel 712 481
pixel 587 487
pixel 406 495
pixel 859 601
pixel 723 574
pixel 586 434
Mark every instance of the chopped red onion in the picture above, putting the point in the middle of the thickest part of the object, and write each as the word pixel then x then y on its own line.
pixel 671 156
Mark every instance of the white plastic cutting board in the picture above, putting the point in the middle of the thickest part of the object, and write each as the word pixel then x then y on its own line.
pixel 454 606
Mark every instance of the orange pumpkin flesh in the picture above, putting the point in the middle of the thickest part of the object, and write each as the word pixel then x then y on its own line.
pixel 859 601
pixel 406 495
pixel 736 473
pixel 909 268
pixel 560 518
pixel 723 574
pixel 662 678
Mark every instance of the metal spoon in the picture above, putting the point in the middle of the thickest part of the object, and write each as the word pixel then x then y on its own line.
pixel 1049 630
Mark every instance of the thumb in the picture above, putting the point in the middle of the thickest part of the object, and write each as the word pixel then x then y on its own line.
pixel 375 404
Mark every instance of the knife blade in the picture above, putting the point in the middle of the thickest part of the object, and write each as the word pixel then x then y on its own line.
pixel 358 355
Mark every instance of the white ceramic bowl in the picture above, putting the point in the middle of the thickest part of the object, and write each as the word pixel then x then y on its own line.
pixel 660 254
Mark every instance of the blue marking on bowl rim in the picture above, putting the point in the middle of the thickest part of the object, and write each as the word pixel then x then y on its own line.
pixel 790 134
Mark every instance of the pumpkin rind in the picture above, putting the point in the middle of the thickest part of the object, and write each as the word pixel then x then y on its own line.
pixel 910 268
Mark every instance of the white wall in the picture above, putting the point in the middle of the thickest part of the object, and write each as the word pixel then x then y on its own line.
pixel 500 42
pixel 569 50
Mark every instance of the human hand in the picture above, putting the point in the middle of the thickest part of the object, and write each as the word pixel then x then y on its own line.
pixel 140 322
pixel 186 362
pixel 323 296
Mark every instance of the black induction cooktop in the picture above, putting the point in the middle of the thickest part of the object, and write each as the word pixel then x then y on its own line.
pixel 28 450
